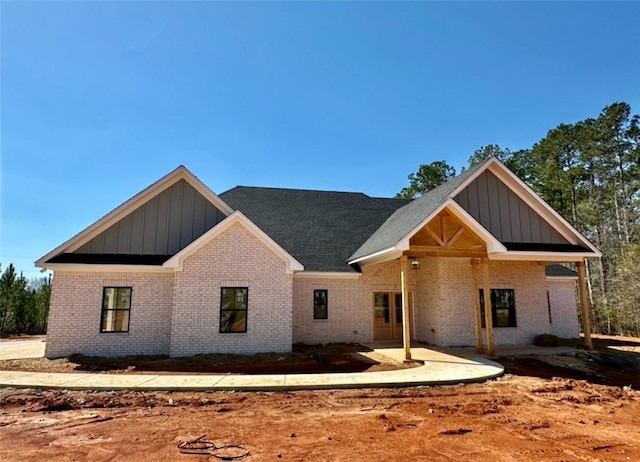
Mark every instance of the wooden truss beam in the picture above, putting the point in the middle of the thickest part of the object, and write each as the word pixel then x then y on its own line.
pixel 455 236
pixel 435 251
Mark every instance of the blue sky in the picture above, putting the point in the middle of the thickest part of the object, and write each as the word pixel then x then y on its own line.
pixel 100 99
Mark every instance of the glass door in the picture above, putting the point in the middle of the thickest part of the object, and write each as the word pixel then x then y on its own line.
pixel 387 315
pixel 381 316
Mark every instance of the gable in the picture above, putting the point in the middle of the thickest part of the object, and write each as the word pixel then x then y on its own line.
pixel 164 225
pixel 511 219
pixel 408 218
pixel 147 229
pixel 504 214
pixel 238 221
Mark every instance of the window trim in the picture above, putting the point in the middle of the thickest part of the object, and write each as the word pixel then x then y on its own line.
pixel 513 319
pixel 103 310
pixel 326 305
pixel 245 310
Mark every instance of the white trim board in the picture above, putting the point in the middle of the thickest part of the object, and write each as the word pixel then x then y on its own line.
pixel 326 275
pixel 555 257
pixel 561 278
pixel 106 268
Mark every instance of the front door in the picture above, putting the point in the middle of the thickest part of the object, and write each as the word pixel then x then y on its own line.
pixel 387 315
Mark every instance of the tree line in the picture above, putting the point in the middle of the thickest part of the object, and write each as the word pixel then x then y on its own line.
pixel 588 171
pixel 24 304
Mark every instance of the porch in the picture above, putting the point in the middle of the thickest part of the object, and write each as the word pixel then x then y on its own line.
pixel 450 271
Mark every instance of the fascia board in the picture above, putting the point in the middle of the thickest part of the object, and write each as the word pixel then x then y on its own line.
pixel 326 275
pixel 562 257
pixel 102 268
pixel 394 254
pixel 373 255
pixel 180 173
pixel 177 260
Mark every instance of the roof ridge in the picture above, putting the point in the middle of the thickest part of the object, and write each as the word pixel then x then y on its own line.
pixel 274 188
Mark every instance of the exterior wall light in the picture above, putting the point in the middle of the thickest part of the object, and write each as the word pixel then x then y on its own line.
pixel 415 263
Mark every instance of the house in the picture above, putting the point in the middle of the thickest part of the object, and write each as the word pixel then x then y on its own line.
pixel 180 270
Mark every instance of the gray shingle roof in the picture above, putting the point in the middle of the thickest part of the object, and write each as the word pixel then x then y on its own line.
pixel 405 219
pixel 559 271
pixel 320 229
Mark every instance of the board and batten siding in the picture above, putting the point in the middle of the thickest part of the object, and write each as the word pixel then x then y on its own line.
pixel 163 225
pixel 504 214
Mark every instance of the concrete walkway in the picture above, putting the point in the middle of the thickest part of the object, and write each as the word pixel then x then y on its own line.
pixel 439 369
pixel 22 348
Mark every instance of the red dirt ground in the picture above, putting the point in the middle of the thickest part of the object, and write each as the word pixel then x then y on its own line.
pixel 520 417
pixel 583 406
pixel 336 357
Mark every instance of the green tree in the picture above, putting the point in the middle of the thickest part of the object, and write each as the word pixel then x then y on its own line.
pixel 617 131
pixel 519 162
pixel 24 305
pixel 485 152
pixel 428 177
pixel 559 169
pixel 41 287
pixel 8 298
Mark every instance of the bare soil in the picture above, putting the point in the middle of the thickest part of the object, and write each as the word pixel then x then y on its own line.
pixel 576 407
pixel 336 357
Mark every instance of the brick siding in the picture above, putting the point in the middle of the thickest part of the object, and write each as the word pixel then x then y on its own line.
pixel 179 313
pixel 442 294
pixel 350 305
pixel 564 308
pixel 76 309
pixel 445 302
pixel 235 258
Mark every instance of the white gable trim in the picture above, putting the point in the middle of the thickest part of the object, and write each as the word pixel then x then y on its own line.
pixel 493 245
pixel 176 262
pixel 381 255
pixel 180 173
pixel 529 196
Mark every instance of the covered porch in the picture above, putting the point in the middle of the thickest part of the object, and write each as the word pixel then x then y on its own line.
pixel 480 240
pixel 449 262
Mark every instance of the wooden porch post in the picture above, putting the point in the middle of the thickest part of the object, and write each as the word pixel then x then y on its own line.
pixel 406 322
pixel 476 305
pixel 488 314
pixel 584 305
